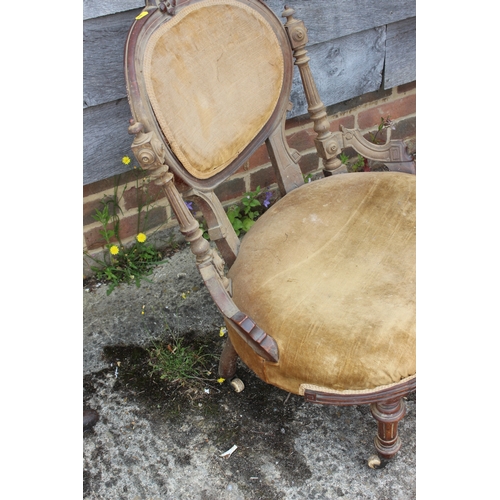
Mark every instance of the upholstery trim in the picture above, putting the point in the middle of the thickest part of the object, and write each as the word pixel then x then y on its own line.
pixel 317 388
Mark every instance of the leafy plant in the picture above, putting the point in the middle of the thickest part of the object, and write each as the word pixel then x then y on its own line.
pixel 124 264
pixel 343 158
pixel 358 164
pixel 243 218
pixel 177 362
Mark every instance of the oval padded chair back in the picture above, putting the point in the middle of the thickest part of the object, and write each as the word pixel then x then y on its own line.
pixel 214 75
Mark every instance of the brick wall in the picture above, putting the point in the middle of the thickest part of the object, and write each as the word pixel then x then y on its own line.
pixel 363 112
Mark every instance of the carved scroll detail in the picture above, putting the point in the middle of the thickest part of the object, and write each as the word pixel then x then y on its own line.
pixel 393 153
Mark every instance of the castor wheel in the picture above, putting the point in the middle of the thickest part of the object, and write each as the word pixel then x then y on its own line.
pixel 237 384
pixel 374 462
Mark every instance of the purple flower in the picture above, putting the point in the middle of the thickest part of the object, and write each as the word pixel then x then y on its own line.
pixel 189 204
pixel 267 200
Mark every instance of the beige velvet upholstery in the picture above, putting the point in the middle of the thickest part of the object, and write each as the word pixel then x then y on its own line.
pixel 329 273
pixel 211 103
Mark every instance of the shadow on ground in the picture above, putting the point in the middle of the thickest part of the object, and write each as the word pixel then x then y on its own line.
pixel 161 440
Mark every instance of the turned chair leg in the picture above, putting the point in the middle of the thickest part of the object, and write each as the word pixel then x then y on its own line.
pixel 228 360
pixel 387 415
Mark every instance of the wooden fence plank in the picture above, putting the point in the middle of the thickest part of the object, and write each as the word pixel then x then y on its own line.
pixel 329 19
pixel 97 8
pixel 343 68
pixel 103 48
pixel 105 140
pixel 400 65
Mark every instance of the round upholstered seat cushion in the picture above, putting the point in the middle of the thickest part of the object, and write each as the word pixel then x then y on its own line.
pixel 329 273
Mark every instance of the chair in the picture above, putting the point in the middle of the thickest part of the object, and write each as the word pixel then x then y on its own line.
pixel 319 298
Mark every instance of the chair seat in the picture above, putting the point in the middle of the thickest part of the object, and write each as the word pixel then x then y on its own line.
pixel 329 273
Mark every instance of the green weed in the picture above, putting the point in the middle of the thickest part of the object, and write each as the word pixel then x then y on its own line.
pixel 176 362
pixel 125 264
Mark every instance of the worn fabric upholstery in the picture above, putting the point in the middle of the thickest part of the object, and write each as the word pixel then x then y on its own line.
pixel 329 273
pixel 213 74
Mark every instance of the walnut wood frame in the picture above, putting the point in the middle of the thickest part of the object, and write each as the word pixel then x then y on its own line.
pixel 154 154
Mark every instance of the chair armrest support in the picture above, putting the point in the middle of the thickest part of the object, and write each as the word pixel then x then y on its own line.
pixel 152 156
pixel 261 343
pixel 393 153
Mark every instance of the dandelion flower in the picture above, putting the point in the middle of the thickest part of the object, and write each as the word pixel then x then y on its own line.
pixel 221 380
pixel 114 250
pixel 141 237
pixel 125 160
pixel 222 331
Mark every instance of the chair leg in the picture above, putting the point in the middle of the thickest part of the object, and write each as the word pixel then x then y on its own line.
pixel 228 360
pixel 387 415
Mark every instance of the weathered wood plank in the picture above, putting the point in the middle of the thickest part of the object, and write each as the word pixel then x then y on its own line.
pixel 329 19
pixel 401 55
pixel 343 68
pixel 103 48
pixel 97 8
pixel 105 140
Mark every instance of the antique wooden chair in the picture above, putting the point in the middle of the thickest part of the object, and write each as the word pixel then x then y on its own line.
pixel 319 299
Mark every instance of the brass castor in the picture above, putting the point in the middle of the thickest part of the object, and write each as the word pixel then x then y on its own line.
pixel 374 462
pixel 237 384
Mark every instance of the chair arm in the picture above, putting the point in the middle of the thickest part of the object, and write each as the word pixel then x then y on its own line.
pixel 261 343
pixel 152 156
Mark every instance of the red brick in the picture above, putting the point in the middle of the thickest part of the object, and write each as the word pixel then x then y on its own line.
pixel 302 139
pixel 347 121
pixel 230 189
pixel 93 238
pixel 244 168
pixel 109 183
pixel 395 109
pixel 407 87
pixel 260 157
pixel 149 193
pixel 128 227
pixel 405 129
pixel 263 178
pixel 297 121
pixel 89 209
pixel 309 163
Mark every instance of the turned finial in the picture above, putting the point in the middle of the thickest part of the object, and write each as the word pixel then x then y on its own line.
pixel 135 127
pixel 288 13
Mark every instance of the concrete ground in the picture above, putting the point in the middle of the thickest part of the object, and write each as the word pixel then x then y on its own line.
pixel 156 440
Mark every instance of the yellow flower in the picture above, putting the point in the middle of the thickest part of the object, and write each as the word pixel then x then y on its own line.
pixel 114 250
pixel 125 160
pixel 141 237
pixel 222 331
pixel 221 380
